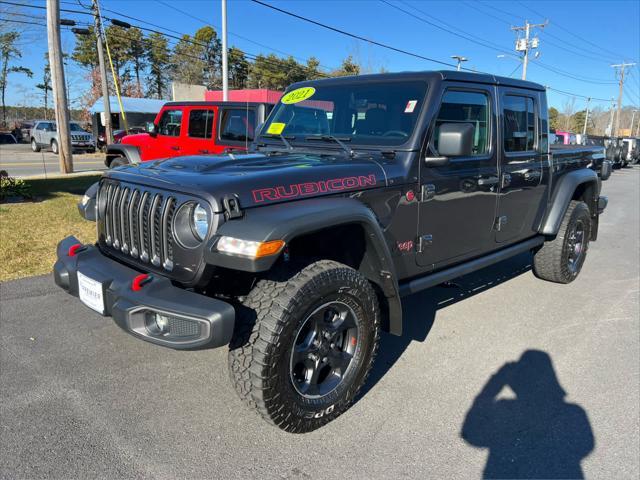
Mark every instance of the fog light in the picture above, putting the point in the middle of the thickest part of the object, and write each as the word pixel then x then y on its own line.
pixel 157 323
pixel 162 323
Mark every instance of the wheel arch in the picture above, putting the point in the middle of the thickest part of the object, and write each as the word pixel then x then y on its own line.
pixel 344 227
pixel 129 152
pixel 580 185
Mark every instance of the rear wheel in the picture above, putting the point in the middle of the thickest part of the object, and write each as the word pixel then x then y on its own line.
pixel 34 145
pixel 560 260
pixel 54 146
pixel 304 344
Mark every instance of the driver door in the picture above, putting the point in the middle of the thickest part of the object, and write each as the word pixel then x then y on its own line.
pixel 458 198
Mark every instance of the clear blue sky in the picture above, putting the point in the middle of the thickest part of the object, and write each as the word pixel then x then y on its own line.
pixel 607 31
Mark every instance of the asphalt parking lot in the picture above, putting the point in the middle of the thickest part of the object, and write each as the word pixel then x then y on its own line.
pixel 79 398
pixel 19 161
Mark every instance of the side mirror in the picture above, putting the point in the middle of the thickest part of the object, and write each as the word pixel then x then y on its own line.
pixel 456 139
pixel 151 129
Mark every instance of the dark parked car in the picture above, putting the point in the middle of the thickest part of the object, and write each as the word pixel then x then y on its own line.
pixel 358 192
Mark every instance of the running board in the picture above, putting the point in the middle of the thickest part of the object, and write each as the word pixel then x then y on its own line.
pixel 421 283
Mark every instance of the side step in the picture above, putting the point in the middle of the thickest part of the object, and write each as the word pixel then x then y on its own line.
pixel 428 281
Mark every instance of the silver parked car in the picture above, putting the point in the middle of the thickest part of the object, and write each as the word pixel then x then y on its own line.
pixel 44 134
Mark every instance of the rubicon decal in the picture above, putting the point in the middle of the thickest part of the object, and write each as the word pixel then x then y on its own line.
pixel 312 188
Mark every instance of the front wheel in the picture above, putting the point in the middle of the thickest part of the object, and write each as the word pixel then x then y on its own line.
pixel 54 146
pixel 304 344
pixel 560 260
pixel 34 145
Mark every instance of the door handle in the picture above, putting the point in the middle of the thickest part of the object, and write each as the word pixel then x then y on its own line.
pixel 175 147
pixel 487 181
pixel 203 151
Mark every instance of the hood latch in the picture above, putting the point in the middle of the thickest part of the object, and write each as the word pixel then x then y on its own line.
pixel 231 204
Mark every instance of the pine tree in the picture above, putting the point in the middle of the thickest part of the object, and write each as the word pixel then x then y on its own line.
pixel 158 58
pixel 8 53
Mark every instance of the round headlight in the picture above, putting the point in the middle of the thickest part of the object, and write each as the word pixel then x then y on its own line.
pixel 199 222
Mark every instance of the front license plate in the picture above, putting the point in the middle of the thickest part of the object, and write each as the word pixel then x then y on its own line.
pixel 90 292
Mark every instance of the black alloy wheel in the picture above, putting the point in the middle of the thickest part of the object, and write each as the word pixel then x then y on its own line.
pixel 323 349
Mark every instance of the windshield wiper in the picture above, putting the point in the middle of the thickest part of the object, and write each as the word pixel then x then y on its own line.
pixel 281 137
pixel 332 138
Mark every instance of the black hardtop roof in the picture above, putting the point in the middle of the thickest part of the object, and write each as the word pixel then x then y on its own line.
pixel 432 75
pixel 215 103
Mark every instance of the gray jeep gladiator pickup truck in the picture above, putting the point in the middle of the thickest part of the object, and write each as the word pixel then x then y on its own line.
pixel 358 191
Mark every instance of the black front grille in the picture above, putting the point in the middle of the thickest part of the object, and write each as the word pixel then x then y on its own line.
pixel 137 222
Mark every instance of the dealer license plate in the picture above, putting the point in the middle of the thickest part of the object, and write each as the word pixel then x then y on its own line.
pixel 90 292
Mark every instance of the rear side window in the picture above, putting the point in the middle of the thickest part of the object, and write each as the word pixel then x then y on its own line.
pixel 466 107
pixel 519 124
pixel 201 123
pixel 237 125
pixel 170 123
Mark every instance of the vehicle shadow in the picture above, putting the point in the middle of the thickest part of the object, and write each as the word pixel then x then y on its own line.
pixel 419 311
pixel 534 433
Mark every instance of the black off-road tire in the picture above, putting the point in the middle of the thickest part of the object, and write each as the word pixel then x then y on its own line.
pixel 267 325
pixel 552 261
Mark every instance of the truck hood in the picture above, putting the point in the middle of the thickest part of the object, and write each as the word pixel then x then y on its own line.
pixel 257 179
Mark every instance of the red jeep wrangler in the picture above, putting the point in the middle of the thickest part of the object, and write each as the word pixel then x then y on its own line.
pixel 192 128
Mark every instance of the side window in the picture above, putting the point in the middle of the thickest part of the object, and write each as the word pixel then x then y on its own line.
pixel 237 125
pixel 201 123
pixel 466 107
pixel 170 123
pixel 519 124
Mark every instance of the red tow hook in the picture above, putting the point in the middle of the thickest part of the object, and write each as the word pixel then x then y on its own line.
pixel 75 249
pixel 140 281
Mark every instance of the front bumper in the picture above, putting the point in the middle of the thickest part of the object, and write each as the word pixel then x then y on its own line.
pixel 194 320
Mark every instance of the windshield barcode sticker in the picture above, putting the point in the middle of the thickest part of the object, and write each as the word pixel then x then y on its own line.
pixel 411 106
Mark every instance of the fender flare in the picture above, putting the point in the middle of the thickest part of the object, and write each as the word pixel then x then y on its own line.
pixel 290 220
pixel 129 152
pixel 562 195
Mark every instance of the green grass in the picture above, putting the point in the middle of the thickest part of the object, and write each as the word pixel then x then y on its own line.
pixel 30 231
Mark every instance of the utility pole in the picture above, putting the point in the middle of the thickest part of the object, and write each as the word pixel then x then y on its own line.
pixel 225 68
pixel 459 59
pixel 58 83
pixel 610 127
pixel 525 44
pixel 622 66
pixel 633 116
pixel 108 131
pixel 586 119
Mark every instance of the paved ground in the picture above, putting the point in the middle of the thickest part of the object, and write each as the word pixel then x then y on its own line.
pixel 80 398
pixel 19 161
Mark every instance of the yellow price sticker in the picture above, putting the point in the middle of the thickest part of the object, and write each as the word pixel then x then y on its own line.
pixel 298 95
pixel 276 128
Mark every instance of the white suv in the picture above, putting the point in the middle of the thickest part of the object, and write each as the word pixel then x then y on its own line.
pixel 44 134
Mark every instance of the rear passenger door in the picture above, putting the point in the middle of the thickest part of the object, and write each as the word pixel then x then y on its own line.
pixel 236 128
pixel 523 167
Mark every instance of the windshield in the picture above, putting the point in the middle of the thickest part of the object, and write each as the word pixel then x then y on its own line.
pixel 75 127
pixel 367 113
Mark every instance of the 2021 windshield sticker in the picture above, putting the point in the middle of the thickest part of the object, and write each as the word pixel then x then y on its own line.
pixel 298 95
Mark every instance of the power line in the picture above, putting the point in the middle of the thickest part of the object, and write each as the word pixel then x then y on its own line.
pixel 609 52
pixel 353 35
pixel 464 36
pixel 577 95
pixel 240 36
